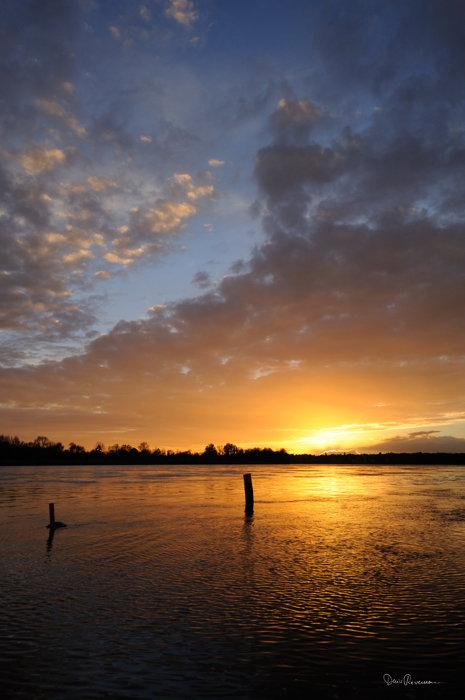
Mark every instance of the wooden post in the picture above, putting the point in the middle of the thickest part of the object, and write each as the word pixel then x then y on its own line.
pixel 51 507
pixel 53 524
pixel 248 494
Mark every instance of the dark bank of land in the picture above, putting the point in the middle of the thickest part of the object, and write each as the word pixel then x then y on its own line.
pixel 14 451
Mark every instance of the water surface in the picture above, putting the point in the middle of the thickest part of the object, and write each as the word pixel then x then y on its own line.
pixel 161 587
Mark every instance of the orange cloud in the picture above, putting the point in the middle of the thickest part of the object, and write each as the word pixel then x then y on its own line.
pixel 41 158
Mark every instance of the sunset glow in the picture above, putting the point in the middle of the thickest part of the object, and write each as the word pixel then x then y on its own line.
pixel 233 222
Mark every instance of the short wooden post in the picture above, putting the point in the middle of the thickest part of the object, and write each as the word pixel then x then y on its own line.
pixel 53 524
pixel 51 507
pixel 248 494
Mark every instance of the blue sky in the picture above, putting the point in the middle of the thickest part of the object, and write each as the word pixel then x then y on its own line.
pixel 252 204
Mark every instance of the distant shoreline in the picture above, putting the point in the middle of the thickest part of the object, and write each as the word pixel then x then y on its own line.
pixel 14 452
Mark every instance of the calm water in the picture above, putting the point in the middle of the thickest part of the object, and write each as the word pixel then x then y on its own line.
pixel 161 587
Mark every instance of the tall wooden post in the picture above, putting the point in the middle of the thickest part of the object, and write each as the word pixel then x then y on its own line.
pixel 248 494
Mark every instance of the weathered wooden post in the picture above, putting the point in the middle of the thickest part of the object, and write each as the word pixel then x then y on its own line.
pixel 248 494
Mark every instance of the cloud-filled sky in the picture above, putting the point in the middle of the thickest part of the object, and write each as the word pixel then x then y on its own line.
pixel 233 222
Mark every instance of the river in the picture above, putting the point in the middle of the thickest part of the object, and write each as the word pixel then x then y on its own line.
pixel 347 582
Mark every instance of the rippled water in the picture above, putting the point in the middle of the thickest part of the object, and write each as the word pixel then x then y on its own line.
pixel 161 587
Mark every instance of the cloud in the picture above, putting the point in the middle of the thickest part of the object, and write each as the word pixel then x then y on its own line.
pixel 152 229
pixel 78 257
pixel 115 31
pixel 214 163
pixel 182 11
pixel 40 158
pixel 165 219
pixel 144 13
pixel 280 169
pixel 53 108
pixel 188 188
pixel 58 220
pixel 56 237
pixel 351 297
pixel 202 280
pixel 294 119
pixel 425 441
pixel 100 184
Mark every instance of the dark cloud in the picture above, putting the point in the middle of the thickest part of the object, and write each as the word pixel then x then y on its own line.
pixel 371 47
pixel 424 441
pixel 202 280
pixel 293 120
pixel 280 169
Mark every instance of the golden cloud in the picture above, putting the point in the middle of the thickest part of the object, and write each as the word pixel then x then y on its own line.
pixel 41 158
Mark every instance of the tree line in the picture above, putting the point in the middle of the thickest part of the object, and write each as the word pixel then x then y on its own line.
pixel 14 451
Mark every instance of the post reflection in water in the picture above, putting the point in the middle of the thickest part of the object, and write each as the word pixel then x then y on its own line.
pixel 50 540
pixel 247 535
pixel 341 576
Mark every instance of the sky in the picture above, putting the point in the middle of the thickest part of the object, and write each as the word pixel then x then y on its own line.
pixel 233 222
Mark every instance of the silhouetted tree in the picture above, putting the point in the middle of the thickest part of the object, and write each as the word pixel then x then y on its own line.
pixel 76 449
pixel 231 451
